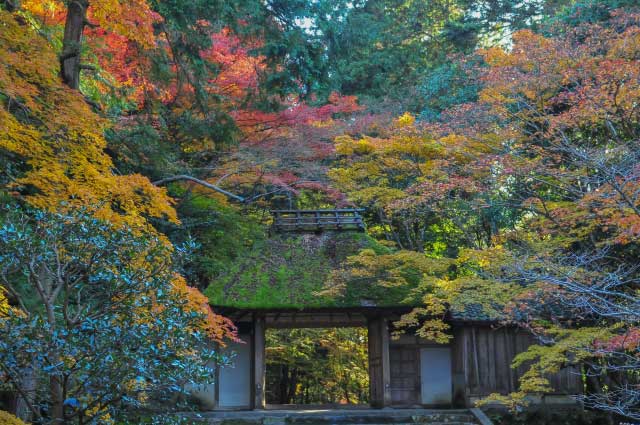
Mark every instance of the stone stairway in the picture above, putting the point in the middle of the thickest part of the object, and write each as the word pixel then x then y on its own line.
pixel 341 417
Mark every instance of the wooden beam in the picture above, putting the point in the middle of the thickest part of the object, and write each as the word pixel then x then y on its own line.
pixel 386 363
pixel 379 365
pixel 216 396
pixel 258 362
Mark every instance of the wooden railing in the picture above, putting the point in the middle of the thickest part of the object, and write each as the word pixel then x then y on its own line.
pixel 317 220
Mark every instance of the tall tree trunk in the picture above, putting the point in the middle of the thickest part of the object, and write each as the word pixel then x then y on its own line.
pixel 72 43
pixel 56 391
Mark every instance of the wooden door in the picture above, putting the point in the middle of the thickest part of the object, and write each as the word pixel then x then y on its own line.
pixel 378 363
pixel 405 375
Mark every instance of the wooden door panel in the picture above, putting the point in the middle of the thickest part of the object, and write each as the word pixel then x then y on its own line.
pixel 405 375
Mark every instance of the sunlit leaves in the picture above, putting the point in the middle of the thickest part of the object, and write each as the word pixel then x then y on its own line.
pixel 54 132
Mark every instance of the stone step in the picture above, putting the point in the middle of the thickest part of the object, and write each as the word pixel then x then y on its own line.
pixel 444 422
pixel 283 421
pixel 436 419
pixel 377 421
pixel 337 417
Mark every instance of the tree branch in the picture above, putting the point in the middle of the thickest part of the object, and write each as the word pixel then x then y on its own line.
pixel 89 24
pixel 69 54
pixel 200 182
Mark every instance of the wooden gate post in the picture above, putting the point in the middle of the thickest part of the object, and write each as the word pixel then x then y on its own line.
pixel 258 363
pixel 379 368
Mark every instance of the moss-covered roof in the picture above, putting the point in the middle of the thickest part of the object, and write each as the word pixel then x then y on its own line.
pixel 293 271
pixel 290 271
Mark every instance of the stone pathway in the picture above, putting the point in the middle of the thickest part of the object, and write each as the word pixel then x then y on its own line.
pixel 342 417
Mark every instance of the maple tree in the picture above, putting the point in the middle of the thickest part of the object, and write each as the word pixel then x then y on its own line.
pixel 54 142
pixel 528 198
pixel 510 185
pixel 54 148
pixel 129 19
pixel 575 127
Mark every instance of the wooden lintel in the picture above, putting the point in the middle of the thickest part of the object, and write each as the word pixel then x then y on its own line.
pixel 241 314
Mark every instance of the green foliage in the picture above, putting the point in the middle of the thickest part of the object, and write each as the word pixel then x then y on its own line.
pixel 317 366
pixel 223 233
pixel 380 45
pixel 102 328
pixel 291 271
pixel 542 416
pixel 448 85
pixel 589 11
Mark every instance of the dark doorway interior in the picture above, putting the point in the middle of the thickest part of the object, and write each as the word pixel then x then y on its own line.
pixel 317 366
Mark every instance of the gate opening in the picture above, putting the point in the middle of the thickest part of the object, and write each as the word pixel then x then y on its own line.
pixel 312 366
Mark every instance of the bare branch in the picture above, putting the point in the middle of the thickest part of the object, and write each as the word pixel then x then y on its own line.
pixel 200 182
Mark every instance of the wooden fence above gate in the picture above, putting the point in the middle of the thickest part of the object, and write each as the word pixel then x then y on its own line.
pixel 318 220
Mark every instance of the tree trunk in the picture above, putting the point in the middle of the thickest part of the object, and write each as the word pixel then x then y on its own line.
pixel 57 399
pixel 72 43
pixel 283 384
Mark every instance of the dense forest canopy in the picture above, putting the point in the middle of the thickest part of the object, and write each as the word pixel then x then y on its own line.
pixel 494 145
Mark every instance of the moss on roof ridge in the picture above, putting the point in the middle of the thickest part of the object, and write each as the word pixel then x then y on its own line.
pixel 289 271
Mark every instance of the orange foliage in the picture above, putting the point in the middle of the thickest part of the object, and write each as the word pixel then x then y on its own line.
pixel 53 130
pixel 132 19
pixel 217 327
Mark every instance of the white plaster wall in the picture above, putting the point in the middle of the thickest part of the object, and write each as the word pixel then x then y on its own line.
pixel 235 377
pixel 435 371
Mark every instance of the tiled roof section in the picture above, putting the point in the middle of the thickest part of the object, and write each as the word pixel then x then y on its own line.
pixel 474 313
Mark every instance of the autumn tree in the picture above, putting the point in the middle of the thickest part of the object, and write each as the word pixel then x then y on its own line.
pixel 53 144
pixel 568 105
pixel 52 148
pixel 535 185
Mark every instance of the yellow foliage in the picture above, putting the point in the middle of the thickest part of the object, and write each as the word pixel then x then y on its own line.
pixel 101 416
pixel 52 130
pixel 4 303
pixel 345 145
pixel 405 120
pixel 495 56
pixel 217 327
pixel 43 8
pixel 513 401
pixel 132 19
pixel 7 418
